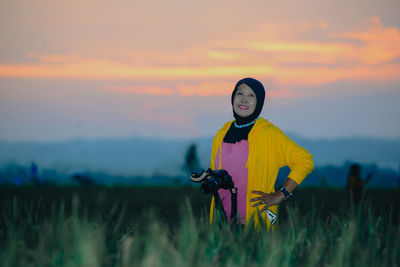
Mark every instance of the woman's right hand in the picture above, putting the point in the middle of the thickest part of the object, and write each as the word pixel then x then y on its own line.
pixel 267 199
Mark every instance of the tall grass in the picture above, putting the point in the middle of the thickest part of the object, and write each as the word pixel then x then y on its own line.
pixel 358 236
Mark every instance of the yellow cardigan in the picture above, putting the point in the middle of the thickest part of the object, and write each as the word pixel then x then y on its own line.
pixel 269 150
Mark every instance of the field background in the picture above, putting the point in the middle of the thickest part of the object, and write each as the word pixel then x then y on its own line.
pixel 168 226
pixel 167 201
pixel 81 209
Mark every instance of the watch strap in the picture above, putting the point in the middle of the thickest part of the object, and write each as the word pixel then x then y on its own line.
pixel 285 192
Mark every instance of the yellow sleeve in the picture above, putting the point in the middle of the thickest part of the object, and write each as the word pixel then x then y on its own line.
pixel 215 146
pixel 212 167
pixel 213 154
pixel 217 142
pixel 299 160
pixel 212 208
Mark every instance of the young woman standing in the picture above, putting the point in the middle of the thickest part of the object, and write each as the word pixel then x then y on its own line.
pixel 252 150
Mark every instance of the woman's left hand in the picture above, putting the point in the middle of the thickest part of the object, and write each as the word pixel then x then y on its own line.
pixel 267 199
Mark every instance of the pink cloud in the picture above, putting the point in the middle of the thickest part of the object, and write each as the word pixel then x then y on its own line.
pixel 205 89
pixel 141 90
pixel 156 112
pixel 282 93
pixel 54 58
pixel 217 88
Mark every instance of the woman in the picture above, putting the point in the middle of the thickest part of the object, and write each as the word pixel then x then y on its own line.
pixel 252 150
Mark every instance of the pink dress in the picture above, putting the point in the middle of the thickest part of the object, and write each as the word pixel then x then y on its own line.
pixel 234 160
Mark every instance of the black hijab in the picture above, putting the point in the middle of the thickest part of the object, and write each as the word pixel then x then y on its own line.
pixel 238 134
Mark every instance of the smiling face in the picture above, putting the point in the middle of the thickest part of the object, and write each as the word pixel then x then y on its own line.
pixel 244 101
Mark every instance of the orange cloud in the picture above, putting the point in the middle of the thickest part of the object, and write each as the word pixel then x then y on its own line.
pixel 323 75
pixel 284 75
pixel 221 55
pixel 305 52
pixel 310 47
pixel 102 69
pixel 287 58
pixel 380 44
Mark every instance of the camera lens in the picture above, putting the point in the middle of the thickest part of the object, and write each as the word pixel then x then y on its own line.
pixel 219 179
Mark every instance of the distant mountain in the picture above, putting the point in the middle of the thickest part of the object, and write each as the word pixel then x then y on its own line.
pixel 383 152
pixel 134 156
pixel 140 156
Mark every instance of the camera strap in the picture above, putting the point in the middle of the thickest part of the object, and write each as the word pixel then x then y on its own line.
pixel 234 204
pixel 219 206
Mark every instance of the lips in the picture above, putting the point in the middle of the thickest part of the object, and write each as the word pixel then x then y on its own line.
pixel 243 107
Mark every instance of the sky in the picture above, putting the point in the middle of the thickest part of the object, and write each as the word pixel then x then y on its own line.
pixel 166 69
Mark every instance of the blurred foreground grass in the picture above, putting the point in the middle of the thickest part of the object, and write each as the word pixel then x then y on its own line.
pixel 165 226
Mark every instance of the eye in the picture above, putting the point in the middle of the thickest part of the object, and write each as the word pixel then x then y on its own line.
pixel 239 93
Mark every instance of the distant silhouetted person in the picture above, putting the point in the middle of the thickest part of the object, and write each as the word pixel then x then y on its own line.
pixel 398 177
pixel 355 185
pixel 82 179
pixel 191 159
pixel 34 174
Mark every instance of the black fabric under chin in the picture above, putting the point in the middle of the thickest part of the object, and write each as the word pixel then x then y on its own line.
pixel 237 134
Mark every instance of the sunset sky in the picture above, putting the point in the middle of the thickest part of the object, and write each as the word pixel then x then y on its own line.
pixel 166 69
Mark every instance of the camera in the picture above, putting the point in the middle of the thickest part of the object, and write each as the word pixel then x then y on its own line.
pixel 212 180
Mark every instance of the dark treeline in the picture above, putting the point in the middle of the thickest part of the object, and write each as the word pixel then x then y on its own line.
pixel 322 176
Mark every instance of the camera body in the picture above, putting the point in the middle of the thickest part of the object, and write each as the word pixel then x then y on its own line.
pixel 212 180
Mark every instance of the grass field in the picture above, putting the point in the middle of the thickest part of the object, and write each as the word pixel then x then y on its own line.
pixel 166 226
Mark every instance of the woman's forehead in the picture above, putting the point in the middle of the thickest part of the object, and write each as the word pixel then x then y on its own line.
pixel 244 87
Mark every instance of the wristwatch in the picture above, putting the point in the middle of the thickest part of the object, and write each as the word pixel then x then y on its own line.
pixel 285 192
